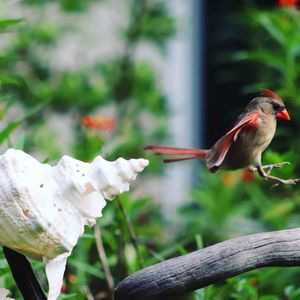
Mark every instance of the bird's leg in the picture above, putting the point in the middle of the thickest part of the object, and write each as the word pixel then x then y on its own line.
pixel 270 167
pixel 280 181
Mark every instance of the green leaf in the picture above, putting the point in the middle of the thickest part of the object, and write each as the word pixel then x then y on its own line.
pixel 5 80
pixel 279 210
pixel 4 134
pixel 8 130
pixel 68 296
pixel 271 60
pixel 5 58
pixel 199 241
pixel 4 24
pixel 87 268
pixel 273 30
pixel 21 142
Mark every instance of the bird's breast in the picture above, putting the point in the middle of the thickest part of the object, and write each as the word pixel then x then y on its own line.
pixel 247 148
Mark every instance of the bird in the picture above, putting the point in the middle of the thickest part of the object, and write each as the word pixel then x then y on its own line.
pixel 243 145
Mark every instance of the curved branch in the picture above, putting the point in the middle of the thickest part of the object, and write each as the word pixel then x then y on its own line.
pixel 212 264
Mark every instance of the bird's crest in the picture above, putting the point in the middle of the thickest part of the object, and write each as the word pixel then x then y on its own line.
pixel 269 94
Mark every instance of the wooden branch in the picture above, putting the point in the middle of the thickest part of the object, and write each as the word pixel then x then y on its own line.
pixel 24 275
pixel 211 265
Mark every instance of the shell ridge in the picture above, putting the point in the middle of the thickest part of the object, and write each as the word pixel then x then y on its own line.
pixel 44 208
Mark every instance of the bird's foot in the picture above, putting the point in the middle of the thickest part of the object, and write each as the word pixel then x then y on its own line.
pixel 270 167
pixel 284 181
pixel 279 181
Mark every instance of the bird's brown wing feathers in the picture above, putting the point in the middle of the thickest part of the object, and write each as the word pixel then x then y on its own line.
pixel 219 150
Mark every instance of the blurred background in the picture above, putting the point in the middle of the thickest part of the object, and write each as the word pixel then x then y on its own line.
pixel 90 77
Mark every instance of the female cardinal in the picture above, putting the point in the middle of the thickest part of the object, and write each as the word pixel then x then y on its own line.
pixel 243 145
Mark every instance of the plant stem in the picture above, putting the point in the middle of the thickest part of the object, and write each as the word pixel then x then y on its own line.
pixel 103 258
pixel 131 233
pixel 88 293
pixel 123 86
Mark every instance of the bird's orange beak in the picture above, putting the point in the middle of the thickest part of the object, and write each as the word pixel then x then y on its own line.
pixel 283 115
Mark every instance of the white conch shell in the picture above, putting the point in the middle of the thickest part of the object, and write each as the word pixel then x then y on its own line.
pixel 43 208
pixel 3 294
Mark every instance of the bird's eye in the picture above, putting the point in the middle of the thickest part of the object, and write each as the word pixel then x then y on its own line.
pixel 276 106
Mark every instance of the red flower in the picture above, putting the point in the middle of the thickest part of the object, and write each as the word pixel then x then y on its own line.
pixel 287 3
pixel 64 289
pixel 247 176
pixel 99 123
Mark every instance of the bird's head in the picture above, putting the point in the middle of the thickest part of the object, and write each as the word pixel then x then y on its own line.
pixel 269 103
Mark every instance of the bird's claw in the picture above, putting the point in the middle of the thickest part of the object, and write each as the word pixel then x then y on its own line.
pixel 277 166
pixel 267 175
pixel 271 167
pixel 285 182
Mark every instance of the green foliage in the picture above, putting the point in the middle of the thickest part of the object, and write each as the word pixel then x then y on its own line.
pixel 275 49
pixel 124 85
pixel 67 5
pixel 6 104
pixel 136 234
pixel 152 22
pixel 233 204
pixel 6 24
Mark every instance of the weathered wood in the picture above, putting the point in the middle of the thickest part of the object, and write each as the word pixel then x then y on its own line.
pixel 212 264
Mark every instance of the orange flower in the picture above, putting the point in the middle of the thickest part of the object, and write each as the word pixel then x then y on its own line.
pixel 254 282
pixel 229 179
pixel 99 123
pixel 72 279
pixel 287 3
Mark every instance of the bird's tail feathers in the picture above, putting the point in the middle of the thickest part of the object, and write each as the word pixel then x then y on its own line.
pixel 166 151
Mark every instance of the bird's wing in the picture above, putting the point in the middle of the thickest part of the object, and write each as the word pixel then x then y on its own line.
pixel 217 153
